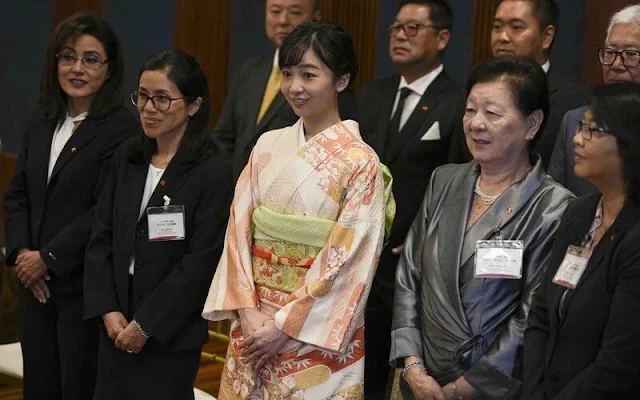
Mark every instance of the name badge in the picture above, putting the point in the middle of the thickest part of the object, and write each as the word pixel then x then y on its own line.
pixel 499 259
pixel 165 223
pixel 572 267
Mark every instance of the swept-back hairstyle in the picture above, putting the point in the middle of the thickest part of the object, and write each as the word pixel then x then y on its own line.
pixel 185 72
pixel 440 13
pixel 53 100
pixel 526 80
pixel 628 15
pixel 328 41
pixel 615 107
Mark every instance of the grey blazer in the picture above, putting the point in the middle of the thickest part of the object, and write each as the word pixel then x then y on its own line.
pixel 562 163
pixel 458 324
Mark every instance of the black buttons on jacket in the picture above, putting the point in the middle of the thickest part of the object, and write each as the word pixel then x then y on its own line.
pixel 137 264
pixel 140 233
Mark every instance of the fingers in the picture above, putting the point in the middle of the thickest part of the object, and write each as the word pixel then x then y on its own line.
pixel 248 341
pixel 41 291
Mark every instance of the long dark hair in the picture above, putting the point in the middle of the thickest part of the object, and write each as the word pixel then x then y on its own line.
pixel 185 72
pixel 53 100
pixel 616 107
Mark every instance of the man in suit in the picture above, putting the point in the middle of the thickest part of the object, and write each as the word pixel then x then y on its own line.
pixel 528 28
pixel 406 118
pixel 620 60
pixel 254 104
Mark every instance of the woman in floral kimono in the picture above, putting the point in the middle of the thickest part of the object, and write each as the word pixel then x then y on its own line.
pixel 306 229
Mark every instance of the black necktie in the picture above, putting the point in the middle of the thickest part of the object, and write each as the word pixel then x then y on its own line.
pixel 394 123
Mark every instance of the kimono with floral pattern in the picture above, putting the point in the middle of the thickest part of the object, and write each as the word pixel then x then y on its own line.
pixel 304 237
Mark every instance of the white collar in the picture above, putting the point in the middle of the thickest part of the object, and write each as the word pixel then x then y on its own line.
pixel 421 84
pixel 275 59
pixel 301 139
pixel 545 66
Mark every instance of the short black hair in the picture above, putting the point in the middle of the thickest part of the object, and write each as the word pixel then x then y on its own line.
pixel 525 78
pixel 53 100
pixel 329 42
pixel 615 107
pixel 546 12
pixel 440 13
pixel 184 71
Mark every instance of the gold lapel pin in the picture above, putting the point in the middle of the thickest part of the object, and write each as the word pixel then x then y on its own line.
pixel 425 108
pixel 509 210
pixel 163 182
pixel 73 149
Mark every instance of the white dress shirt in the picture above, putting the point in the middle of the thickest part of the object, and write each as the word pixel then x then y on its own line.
pixel 418 87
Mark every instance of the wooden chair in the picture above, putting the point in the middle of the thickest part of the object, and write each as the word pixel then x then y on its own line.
pixel 219 336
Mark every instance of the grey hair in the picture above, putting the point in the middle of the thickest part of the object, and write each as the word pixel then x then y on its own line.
pixel 628 15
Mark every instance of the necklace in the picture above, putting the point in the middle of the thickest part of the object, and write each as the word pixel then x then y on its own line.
pixel 485 198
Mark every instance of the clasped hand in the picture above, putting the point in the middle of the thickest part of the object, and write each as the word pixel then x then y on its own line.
pixel 31 270
pixel 262 339
pixel 30 267
pixel 126 335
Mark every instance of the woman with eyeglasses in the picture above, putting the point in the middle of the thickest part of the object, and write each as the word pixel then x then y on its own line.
pixel 157 236
pixel 582 340
pixel 60 173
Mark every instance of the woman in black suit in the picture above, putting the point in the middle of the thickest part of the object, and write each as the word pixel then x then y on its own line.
pixel 583 339
pixel 59 176
pixel 157 237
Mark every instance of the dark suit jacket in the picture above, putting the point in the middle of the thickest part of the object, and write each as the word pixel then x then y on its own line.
pixel 171 278
pixel 236 131
pixel 562 162
pixel 592 352
pixel 56 218
pixel 410 159
pixel 563 96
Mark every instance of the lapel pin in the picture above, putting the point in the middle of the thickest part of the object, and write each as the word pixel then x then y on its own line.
pixel 163 182
pixel 611 238
pixel 73 149
pixel 509 210
pixel 424 108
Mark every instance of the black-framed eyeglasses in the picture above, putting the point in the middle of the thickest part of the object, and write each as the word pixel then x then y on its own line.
pixel 629 58
pixel 586 130
pixel 90 61
pixel 410 29
pixel 161 102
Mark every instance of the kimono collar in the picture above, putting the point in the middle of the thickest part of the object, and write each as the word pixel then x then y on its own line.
pixel 349 127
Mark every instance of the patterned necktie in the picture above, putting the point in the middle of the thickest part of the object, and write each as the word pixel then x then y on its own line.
pixel 394 123
pixel 270 92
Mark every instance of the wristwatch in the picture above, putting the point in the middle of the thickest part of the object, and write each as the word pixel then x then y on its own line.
pixel 456 392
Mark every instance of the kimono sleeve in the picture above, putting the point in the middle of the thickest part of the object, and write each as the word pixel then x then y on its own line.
pixel 328 309
pixel 233 287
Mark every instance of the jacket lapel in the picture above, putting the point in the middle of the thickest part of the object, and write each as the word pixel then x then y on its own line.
pixel 509 205
pixel 419 117
pixel 276 104
pixel 172 179
pixel 451 230
pixel 387 96
pixel 76 143
pixel 40 152
pixel 628 217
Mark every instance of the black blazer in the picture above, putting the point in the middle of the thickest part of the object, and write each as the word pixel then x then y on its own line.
pixel 410 159
pixel 56 218
pixel 171 278
pixel 236 131
pixel 593 351
pixel 563 96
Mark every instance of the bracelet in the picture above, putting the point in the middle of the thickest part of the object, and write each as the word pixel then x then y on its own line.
pixel 142 332
pixel 413 365
pixel 456 392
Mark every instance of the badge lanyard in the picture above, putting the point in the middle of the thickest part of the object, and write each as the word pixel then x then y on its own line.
pixel 166 222
pixel 499 258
